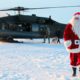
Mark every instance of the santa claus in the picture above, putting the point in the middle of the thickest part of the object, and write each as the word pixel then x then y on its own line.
pixel 72 41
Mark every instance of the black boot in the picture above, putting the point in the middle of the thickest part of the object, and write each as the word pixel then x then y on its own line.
pixel 74 71
pixel 79 69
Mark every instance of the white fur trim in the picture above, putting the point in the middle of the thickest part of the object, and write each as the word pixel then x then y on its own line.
pixel 78 66
pixel 77 50
pixel 74 66
pixel 67 43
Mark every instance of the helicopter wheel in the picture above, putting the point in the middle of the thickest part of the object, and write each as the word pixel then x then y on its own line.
pixel 9 38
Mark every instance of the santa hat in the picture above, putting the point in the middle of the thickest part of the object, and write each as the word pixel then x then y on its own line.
pixel 77 13
pixel 75 22
pixel 76 16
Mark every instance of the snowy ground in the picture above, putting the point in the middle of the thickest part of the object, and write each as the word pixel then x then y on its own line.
pixel 34 60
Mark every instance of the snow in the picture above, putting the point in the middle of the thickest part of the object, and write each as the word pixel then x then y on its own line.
pixel 34 60
pixel 3 14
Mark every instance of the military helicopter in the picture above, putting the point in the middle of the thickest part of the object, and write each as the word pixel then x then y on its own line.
pixel 26 26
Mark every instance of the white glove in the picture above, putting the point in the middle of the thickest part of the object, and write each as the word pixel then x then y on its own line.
pixel 77 42
pixel 67 43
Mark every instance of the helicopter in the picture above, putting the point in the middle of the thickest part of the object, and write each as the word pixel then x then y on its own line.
pixel 29 26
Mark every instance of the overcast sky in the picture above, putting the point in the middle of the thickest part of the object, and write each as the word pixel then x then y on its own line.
pixel 62 15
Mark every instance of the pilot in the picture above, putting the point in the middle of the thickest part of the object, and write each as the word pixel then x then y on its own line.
pixel 72 41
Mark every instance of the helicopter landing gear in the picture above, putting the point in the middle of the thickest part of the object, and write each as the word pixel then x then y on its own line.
pixel 9 38
pixel 6 39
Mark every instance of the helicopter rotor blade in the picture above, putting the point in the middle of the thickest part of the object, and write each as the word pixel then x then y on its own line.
pixel 14 9
pixel 51 7
pixel 23 9
pixel 5 10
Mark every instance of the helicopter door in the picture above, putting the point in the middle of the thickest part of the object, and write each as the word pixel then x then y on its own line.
pixel 28 27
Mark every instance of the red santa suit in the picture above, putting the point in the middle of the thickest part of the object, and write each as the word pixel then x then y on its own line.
pixel 72 40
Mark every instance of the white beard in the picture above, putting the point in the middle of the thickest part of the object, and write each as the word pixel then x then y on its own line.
pixel 75 26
